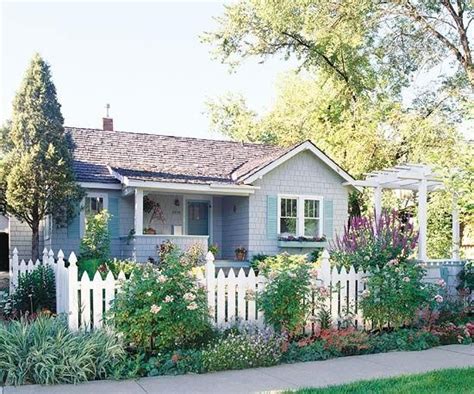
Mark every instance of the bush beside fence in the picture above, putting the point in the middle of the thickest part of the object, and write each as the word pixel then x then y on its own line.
pixel 231 297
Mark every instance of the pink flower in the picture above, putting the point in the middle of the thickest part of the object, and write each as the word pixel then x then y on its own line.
pixel 313 272
pixel 438 298
pixel 168 298
pixel 406 279
pixel 192 306
pixel 155 309
pixel 189 297
pixel 162 279
pixel 441 283
pixel 365 293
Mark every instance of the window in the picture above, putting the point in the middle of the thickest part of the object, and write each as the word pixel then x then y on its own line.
pixel 300 216
pixel 288 216
pixel 311 218
pixel 94 203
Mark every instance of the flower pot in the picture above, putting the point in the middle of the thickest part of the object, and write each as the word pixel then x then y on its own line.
pixel 240 256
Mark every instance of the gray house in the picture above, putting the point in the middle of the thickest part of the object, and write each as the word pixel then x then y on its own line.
pixel 263 198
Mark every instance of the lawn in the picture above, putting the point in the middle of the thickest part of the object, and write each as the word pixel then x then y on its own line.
pixel 444 381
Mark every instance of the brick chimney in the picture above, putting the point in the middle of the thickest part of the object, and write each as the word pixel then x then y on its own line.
pixel 107 122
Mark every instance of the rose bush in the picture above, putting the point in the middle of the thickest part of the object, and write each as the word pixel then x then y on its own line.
pixel 162 308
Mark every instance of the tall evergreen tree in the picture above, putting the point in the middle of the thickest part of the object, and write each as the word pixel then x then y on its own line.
pixel 36 177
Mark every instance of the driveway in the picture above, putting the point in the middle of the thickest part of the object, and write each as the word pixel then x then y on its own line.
pixel 282 377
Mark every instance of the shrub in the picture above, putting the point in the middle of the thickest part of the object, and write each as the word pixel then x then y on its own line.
pixel 450 333
pixel 44 351
pixel 395 293
pixel 161 308
pixel 286 297
pixel 178 362
pixel 96 241
pixel 165 249
pixel 239 351
pixel 346 342
pixel 36 291
pixel 404 339
pixel 257 259
pixel 312 351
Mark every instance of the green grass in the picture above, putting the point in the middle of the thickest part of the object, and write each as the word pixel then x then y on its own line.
pixel 443 381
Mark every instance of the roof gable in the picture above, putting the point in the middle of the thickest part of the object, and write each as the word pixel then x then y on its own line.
pixel 268 165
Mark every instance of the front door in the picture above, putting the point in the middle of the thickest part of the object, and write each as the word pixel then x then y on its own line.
pixel 198 218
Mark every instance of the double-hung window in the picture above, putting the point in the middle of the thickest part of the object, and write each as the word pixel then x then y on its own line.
pixel 94 203
pixel 300 216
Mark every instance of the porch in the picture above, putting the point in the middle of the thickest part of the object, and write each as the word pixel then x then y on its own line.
pixel 186 218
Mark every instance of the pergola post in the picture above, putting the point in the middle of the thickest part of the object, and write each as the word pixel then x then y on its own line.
pixel 138 219
pixel 422 218
pixel 455 255
pixel 378 202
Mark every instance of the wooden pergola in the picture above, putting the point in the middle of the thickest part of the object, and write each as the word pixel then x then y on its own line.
pixel 414 177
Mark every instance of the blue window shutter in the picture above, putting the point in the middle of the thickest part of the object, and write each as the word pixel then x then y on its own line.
pixel 74 226
pixel 272 217
pixel 328 218
pixel 114 223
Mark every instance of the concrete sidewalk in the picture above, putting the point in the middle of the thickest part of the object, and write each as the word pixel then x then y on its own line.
pixel 286 376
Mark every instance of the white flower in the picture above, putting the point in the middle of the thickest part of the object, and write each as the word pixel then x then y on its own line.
pixel 162 279
pixel 169 298
pixel 149 293
pixel 365 293
pixel 192 306
pixel 438 298
pixel 291 274
pixel 155 309
pixel 189 297
pixel 367 258
pixel 406 279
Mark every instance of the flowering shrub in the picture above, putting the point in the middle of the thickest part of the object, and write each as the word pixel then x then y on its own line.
pixel 346 342
pixel 238 351
pixel 286 299
pixel 450 333
pixel 368 242
pixel 395 293
pixel 161 308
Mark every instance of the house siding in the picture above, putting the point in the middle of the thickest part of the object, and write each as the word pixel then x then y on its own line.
pixel 235 224
pixel 304 174
pixel 20 238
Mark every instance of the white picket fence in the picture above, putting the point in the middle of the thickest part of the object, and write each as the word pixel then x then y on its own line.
pixel 231 297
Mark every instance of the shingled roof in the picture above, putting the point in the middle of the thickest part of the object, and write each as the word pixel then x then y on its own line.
pixel 152 157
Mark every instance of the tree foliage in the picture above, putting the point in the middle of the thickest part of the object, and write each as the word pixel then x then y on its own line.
pixel 355 59
pixel 36 177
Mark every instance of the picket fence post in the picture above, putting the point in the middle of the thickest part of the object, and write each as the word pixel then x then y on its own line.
pixel 210 282
pixel 14 269
pixel 72 305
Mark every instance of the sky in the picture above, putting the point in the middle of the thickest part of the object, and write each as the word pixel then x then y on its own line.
pixel 144 59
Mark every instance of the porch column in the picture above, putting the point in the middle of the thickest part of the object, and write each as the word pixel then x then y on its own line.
pixel 422 218
pixel 138 212
pixel 456 230
pixel 378 202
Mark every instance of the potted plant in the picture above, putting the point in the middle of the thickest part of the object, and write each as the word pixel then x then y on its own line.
pixel 240 253
pixel 149 231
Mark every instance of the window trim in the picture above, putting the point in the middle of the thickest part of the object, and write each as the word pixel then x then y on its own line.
pixel 105 197
pixel 300 199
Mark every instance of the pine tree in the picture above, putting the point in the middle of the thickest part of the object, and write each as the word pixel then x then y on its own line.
pixel 36 176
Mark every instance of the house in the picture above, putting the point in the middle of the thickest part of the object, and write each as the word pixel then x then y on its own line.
pixel 190 190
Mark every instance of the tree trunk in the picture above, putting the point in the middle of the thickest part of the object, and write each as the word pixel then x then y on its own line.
pixel 35 240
